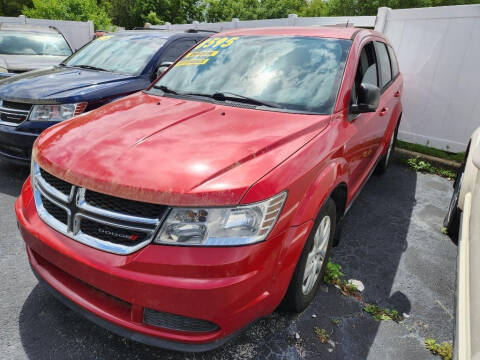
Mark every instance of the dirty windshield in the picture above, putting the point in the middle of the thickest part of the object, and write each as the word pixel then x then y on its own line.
pixel 298 74
pixel 121 54
pixel 28 43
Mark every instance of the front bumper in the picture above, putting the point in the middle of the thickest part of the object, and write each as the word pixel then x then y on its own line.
pixel 16 145
pixel 229 287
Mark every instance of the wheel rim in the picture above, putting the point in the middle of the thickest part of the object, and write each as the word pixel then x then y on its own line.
pixel 316 256
pixel 390 147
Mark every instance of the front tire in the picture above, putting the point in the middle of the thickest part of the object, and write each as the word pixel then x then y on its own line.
pixel 312 263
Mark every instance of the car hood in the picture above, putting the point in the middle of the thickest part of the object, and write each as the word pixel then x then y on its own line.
pixel 22 63
pixel 171 151
pixel 59 82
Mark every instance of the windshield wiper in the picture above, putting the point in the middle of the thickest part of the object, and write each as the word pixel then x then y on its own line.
pixel 219 96
pixel 166 89
pixel 222 96
pixel 89 67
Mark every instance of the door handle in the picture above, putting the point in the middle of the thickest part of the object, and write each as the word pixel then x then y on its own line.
pixel 397 94
pixel 383 111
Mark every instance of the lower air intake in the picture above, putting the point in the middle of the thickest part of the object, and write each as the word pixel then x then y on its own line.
pixel 177 322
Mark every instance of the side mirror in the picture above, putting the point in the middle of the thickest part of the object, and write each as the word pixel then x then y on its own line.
pixel 368 98
pixel 162 68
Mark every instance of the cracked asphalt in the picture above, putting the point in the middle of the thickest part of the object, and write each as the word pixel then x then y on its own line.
pixel 391 241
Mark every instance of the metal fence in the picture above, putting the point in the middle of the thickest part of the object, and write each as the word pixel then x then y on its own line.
pixel 77 33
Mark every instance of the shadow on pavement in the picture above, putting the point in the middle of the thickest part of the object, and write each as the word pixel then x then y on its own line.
pixel 373 241
pixel 12 177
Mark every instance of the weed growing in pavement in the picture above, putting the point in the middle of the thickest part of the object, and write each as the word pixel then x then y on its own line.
pixel 379 313
pixel 335 276
pixel 444 230
pixel 335 322
pixel 444 350
pixel 424 166
pixel 322 335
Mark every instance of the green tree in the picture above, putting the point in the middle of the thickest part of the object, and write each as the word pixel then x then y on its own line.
pixel 13 7
pixel 273 9
pixel 78 10
pixel 153 18
pixel 316 8
pixel 125 13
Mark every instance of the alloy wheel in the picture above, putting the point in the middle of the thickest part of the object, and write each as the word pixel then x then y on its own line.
pixel 316 256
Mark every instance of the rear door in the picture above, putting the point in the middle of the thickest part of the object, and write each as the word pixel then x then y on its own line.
pixel 390 90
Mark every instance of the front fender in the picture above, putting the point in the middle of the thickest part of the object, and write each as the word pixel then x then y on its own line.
pixel 320 190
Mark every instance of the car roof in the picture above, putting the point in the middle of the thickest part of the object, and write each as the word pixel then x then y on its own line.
pixel 334 32
pixel 29 28
pixel 158 34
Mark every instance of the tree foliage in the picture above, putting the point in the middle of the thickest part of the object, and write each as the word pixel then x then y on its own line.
pixel 13 7
pixel 132 13
pixel 77 10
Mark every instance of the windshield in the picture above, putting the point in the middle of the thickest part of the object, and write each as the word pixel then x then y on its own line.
pixel 299 74
pixel 30 43
pixel 122 54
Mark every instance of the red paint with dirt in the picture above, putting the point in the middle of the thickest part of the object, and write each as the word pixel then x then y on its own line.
pixel 192 153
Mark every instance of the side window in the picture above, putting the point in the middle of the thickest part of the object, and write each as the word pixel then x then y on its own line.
pixel 176 48
pixel 393 61
pixel 366 70
pixel 384 60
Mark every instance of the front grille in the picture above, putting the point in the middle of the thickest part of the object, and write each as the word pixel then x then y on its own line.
pixel 110 233
pixel 130 207
pixel 54 210
pixel 14 113
pixel 101 221
pixel 16 105
pixel 57 183
pixel 177 322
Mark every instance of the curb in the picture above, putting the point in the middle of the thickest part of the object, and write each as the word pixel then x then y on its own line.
pixel 449 164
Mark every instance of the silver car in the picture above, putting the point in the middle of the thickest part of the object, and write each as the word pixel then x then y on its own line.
pixel 30 47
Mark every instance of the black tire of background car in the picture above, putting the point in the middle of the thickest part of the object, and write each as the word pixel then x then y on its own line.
pixel 452 219
pixel 295 300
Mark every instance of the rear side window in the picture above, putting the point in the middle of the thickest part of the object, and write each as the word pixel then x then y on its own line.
pixel 366 70
pixel 176 49
pixel 384 60
pixel 393 62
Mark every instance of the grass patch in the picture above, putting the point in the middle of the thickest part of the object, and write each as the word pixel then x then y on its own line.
pixel 444 350
pixel 379 313
pixel 335 322
pixel 322 334
pixel 418 164
pixel 335 276
pixel 422 149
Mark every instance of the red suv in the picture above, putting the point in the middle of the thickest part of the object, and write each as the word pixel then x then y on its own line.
pixel 178 215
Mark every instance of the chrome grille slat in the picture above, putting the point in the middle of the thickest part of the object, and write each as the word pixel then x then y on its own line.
pixel 106 230
pixel 14 114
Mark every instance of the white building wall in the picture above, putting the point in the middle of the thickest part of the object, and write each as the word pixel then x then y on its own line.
pixel 439 54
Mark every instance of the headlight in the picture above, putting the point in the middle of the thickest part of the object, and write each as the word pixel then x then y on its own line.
pixel 240 225
pixel 3 70
pixel 59 112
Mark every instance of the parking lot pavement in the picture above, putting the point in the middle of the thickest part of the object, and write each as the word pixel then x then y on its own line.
pixel 391 241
